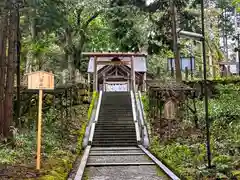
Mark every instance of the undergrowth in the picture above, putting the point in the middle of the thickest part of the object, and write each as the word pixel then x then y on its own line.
pixel 58 146
pixel 186 154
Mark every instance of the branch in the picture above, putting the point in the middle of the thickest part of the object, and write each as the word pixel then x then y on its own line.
pixel 92 18
pixel 96 14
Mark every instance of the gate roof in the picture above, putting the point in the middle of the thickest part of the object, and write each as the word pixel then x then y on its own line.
pixel 139 60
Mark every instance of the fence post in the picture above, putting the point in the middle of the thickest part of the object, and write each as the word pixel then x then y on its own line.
pixel 172 72
pixel 186 73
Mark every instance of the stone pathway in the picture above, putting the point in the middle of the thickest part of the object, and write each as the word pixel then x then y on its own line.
pixel 123 163
pixel 124 173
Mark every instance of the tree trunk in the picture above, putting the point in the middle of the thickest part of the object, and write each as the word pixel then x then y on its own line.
pixel 69 45
pixel 31 59
pixel 11 66
pixel 175 43
pixel 3 39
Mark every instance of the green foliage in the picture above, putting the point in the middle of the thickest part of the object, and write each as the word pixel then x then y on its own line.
pixel 57 150
pixel 59 166
pixel 85 123
pixel 124 20
pixel 94 97
pixel 183 159
pixel 81 137
pixel 145 102
pixel 226 107
pixel 187 155
pixel 157 63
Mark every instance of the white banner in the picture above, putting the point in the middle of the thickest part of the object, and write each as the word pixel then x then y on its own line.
pixel 116 87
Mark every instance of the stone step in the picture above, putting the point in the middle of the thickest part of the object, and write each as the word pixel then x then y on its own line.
pixel 117 154
pixel 119 133
pixel 116 151
pixel 111 144
pixel 127 126
pixel 121 140
pixel 113 135
pixel 117 117
pixel 114 140
pixel 117 122
pixel 115 128
pixel 125 172
pixel 116 125
pixel 112 123
pixel 120 105
pixel 119 159
pixel 115 114
pixel 121 164
pixel 121 102
pixel 115 109
pixel 111 132
pixel 106 131
pixel 115 148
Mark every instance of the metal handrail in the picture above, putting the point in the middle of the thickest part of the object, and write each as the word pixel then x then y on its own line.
pixel 141 106
pixel 96 118
pixel 144 124
pixel 140 111
pixel 140 127
pixel 136 122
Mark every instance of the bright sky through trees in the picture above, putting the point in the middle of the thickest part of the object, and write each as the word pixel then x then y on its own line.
pixel 149 2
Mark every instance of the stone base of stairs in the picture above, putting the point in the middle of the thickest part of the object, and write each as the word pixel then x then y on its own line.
pixel 120 163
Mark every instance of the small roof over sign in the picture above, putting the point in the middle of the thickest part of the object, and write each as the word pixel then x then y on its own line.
pixel 37 72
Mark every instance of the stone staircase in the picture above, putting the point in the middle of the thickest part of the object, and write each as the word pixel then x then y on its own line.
pixel 115 126
pixel 114 153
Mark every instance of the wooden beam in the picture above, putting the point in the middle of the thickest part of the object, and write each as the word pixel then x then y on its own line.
pixel 113 62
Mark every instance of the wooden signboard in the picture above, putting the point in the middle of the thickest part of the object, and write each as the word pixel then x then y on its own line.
pixel 43 81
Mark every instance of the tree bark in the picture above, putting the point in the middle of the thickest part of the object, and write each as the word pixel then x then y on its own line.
pixel 175 43
pixel 11 66
pixel 18 73
pixel 31 59
pixel 3 39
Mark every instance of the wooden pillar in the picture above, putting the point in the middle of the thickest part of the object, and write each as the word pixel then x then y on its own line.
pixel 129 82
pixel 144 82
pixel 104 82
pixel 89 79
pixel 95 74
pixel 71 102
pixel 89 84
pixel 133 74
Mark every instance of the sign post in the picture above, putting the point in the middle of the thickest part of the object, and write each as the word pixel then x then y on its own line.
pixel 39 134
pixel 42 81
